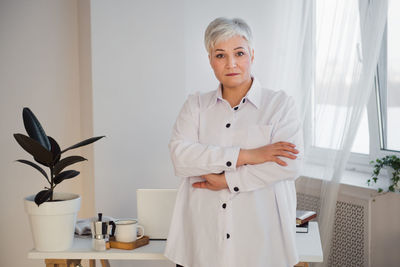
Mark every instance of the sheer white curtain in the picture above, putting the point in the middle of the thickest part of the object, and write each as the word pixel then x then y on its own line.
pixel 292 44
pixel 348 41
pixel 337 47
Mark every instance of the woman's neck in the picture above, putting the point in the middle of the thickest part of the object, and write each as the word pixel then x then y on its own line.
pixel 235 94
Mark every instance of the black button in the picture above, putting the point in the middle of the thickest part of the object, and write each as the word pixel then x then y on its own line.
pixel 228 125
pixel 244 100
pixel 236 108
pixel 236 188
pixel 224 206
pixel 228 163
pixel 228 235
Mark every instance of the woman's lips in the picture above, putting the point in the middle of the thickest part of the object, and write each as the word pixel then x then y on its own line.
pixel 231 74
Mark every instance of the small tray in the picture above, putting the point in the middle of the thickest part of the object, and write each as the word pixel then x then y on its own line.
pixel 129 245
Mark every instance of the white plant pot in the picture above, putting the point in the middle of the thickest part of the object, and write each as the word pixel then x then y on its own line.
pixel 53 223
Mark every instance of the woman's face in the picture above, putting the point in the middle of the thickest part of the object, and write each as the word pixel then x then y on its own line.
pixel 231 61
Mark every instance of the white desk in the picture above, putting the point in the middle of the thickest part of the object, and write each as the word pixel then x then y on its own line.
pixel 308 245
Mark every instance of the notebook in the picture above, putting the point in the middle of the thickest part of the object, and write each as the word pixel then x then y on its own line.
pixel 155 207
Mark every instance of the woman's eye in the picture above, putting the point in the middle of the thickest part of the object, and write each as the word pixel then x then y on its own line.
pixel 219 56
pixel 240 53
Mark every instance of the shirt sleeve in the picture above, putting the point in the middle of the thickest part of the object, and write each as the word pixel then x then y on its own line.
pixel 191 158
pixel 252 177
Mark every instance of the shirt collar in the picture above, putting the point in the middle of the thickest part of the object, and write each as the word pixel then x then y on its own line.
pixel 253 95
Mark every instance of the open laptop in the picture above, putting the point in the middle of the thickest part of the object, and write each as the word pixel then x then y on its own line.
pixel 155 208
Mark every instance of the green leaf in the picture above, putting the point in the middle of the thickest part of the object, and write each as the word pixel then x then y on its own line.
pixel 30 145
pixel 65 175
pixel 380 190
pixel 34 165
pixel 43 196
pixel 391 188
pixel 375 178
pixel 66 162
pixel 83 143
pixel 34 129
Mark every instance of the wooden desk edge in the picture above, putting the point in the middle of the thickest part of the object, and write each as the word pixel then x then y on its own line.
pixel 116 254
pixel 88 256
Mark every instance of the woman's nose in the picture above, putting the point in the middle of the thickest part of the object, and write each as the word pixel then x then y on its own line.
pixel 231 62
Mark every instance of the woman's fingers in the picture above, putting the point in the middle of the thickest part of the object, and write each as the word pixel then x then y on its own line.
pixel 279 161
pixel 200 184
pixel 286 144
pixel 286 155
pixel 212 182
pixel 287 147
pixel 271 153
pixel 205 185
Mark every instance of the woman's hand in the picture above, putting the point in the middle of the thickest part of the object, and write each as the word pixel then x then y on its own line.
pixel 213 182
pixel 268 153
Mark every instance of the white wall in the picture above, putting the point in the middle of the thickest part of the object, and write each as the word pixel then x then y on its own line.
pixel 138 88
pixel 38 69
pixel 86 105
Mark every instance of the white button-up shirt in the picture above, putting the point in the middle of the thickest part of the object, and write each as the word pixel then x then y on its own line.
pixel 251 224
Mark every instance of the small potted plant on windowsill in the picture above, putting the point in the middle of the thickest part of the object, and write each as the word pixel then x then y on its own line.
pixel 52 215
pixel 392 164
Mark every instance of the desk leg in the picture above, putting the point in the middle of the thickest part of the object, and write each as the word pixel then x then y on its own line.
pixel 104 263
pixel 61 262
pixel 302 264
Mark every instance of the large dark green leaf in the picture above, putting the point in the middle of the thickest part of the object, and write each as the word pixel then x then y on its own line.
pixel 65 175
pixel 55 149
pixel 66 162
pixel 33 147
pixel 43 196
pixel 34 129
pixel 83 143
pixel 34 165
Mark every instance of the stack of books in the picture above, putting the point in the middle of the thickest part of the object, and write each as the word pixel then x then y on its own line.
pixel 302 219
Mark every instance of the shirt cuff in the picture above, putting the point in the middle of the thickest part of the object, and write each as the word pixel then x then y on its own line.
pixel 233 181
pixel 230 158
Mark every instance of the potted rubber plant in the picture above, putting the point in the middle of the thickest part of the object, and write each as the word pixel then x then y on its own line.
pixel 392 164
pixel 52 215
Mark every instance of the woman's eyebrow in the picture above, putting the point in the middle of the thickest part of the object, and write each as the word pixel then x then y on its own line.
pixel 219 49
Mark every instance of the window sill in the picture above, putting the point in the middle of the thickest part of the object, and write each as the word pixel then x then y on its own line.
pixel 351 177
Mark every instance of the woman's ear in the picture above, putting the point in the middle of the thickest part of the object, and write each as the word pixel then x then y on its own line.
pixel 252 55
pixel 210 59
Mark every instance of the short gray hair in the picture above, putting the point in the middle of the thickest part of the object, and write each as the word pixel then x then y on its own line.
pixel 222 29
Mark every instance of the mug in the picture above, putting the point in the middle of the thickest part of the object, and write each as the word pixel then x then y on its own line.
pixel 126 230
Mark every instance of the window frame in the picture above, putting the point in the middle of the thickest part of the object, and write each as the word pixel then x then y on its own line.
pixel 377 122
pixel 377 125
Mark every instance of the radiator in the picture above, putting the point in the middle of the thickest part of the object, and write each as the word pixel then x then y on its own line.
pixel 350 241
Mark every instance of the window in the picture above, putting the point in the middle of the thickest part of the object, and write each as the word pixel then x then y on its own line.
pixel 378 133
pixel 388 93
pixel 335 69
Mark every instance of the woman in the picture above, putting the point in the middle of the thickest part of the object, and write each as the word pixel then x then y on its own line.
pixel 235 148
